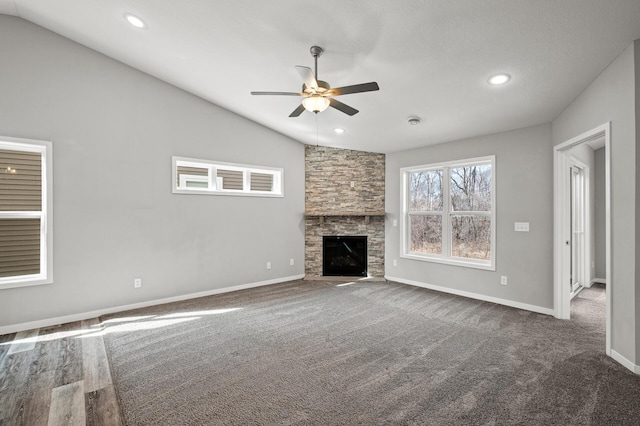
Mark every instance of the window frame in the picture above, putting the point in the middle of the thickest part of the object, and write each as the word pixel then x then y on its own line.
pixel 447 214
pixel 45 148
pixel 214 183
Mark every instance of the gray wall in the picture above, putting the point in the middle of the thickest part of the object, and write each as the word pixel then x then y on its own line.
pixel 599 214
pixel 524 193
pixel 612 97
pixel 114 130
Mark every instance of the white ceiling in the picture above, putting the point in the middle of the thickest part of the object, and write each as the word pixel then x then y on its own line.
pixel 431 58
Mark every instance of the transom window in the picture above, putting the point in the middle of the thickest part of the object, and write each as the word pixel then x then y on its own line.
pixel 25 213
pixel 192 176
pixel 449 213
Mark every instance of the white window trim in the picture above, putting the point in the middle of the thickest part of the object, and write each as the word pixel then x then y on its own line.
pixel 405 240
pixel 46 232
pixel 215 185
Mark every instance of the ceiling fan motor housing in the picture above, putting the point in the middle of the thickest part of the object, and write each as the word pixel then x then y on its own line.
pixel 323 86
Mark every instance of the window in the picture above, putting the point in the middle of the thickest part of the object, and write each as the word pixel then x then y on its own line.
pixel 191 176
pixel 449 213
pixel 25 213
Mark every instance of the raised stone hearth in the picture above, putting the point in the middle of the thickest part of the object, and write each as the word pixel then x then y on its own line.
pixel 344 197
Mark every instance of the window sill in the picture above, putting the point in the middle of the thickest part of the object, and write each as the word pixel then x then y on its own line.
pixel 451 261
pixel 233 193
pixel 17 283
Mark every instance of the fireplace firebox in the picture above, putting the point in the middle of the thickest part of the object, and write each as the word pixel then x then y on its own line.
pixel 344 256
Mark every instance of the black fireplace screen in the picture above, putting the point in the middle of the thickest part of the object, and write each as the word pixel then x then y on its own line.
pixel 344 256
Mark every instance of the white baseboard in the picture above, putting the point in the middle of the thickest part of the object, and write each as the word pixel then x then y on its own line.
pixel 625 362
pixel 598 280
pixel 505 302
pixel 13 328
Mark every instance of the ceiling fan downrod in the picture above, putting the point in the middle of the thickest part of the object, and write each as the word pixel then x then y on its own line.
pixel 315 52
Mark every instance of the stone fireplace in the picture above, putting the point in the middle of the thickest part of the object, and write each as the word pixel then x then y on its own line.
pixel 344 198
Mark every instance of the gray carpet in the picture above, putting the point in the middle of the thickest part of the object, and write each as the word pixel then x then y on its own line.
pixel 365 353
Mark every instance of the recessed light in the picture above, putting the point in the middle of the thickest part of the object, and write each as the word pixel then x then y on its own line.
pixel 134 20
pixel 339 131
pixel 499 79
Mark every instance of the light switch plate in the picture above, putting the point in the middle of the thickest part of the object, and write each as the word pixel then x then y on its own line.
pixel 522 226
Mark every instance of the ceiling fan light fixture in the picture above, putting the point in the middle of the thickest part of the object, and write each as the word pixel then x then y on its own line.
pixel 315 103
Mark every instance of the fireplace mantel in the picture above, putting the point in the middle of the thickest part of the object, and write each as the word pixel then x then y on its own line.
pixel 366 215
pixel 343 213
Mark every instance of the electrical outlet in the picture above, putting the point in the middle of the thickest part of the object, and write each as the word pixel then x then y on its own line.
pixel 353 184
pixel 268 265
pixel 137 282
pixel 292 262
pixel 503 280
pixel 521 226
pixel 395 262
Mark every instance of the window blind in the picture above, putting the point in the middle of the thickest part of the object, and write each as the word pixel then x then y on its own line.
pixel 261 181
pixel 231 179
pixel 192 171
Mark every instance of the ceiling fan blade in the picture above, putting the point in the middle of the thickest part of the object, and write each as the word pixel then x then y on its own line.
pixel 278 93
pixel 356 88
pixel 342 107
pixel 307 77
pixel 296 112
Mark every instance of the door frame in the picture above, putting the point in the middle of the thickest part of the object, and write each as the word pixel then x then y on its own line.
pixel 561 300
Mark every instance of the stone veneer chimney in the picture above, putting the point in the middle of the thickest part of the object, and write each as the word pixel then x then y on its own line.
pixel 344 195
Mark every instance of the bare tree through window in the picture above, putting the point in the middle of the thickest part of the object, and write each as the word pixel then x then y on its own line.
pixel 425 198
pixel 470 201
pixel 450 210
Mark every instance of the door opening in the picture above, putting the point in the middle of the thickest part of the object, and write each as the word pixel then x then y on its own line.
pixel 573 261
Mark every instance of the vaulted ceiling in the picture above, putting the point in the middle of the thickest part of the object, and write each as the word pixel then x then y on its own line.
pixel 431 58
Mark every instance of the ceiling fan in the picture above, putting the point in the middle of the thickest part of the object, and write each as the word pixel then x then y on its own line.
pixel 318 95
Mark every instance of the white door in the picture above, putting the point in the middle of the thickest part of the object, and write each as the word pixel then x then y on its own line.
pixel 577 226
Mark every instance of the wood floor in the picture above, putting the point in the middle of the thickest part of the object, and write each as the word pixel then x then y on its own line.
pixel 57 376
